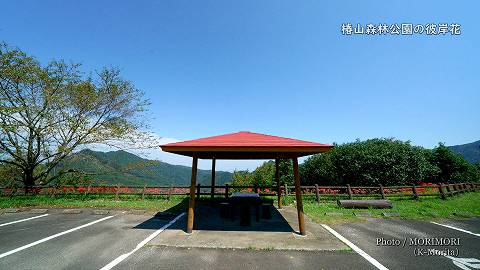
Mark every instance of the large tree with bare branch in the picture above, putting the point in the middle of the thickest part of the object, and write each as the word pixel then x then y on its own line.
pixel 48 111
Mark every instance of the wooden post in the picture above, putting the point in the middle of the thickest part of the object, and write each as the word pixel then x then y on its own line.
pixel 170 191
pixel 54 190
pixel 298 196
pixel 143 191
pixel 317 194
pixel 382 192
pixel 349 190
pixel 255 187
pixel 449 191
pixel 226 191
pixel 454 189
pixel 198 191
pixel 88 190
pixel 442 194
pixel 117 192
pixel 286 190
pixel 191 202
pixel 279 187
pixel 212 189
pixel 415 193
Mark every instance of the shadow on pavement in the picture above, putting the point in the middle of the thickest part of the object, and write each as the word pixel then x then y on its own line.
pixel 208 218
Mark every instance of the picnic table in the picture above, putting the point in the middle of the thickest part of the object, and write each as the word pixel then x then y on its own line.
pixel 244 195
pixel 245 201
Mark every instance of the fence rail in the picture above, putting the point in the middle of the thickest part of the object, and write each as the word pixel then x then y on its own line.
pixel 441 190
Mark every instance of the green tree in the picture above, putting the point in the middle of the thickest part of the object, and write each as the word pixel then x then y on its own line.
pixel 380 161
pixel 264 175
pixel 318 169
pixel 453 167
pixel 242 178
pixel 286 172
pixel 46 112
pixel 370 162
pixel 9 175
pixel 431 169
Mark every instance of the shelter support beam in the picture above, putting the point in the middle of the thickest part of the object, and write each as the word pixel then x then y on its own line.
pixel 298 196
pixel 191 203
pixel 279 187
pixel 212 191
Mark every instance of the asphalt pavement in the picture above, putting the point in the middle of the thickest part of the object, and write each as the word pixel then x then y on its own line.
pixel 410 244
pixel 91 247
pixel 120 240
pixel 154 257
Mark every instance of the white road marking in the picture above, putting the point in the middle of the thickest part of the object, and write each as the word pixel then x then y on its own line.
pixel 122 257
pixel 52 237
pixel 462 263
pixel 465 263
pixel 21 220
pixel 355 248
pixel 455 228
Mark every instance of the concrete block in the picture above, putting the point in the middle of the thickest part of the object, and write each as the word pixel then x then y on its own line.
pixel 463 214
pixel 100 212
pixel 72 211
pixel 333 214
pixel 390 214
pixel 362 214
pixel 38 211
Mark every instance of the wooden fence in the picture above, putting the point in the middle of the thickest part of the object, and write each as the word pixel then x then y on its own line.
pixel 441 190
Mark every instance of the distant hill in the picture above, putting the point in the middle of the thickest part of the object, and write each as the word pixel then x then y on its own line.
pixel 470 151
pixel 120 167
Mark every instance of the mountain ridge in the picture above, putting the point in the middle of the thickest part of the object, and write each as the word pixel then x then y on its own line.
pixel 470 151
pixel 121 167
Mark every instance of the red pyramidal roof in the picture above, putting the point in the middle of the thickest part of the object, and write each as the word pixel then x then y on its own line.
pixel 245 144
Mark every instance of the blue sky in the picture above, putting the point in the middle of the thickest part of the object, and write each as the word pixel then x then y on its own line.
pixel 276 67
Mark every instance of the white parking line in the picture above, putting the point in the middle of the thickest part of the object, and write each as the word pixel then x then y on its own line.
pixel 21 220
pixel 355 248
pixel 52 237
pixel 455 228
pixel 122 257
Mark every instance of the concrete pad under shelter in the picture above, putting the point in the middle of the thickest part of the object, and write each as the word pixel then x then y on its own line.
pixel 279 232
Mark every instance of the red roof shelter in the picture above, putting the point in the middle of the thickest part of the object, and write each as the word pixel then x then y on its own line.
pixel 246 145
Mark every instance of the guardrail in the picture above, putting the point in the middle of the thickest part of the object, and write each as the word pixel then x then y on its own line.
pixel 441 190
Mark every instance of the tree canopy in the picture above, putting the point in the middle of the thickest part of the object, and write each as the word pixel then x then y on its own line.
pixel 371 162
pixel 453 167
pixel 48 111
pixel 264 175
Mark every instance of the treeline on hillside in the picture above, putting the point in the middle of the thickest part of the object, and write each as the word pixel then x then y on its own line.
pixel 370 162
